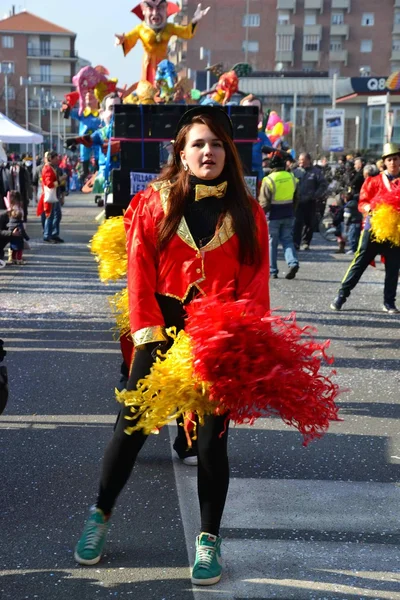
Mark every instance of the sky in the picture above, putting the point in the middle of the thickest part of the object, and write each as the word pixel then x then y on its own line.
pixel 95 23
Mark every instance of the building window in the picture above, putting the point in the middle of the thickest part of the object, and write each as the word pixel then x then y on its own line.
pixel 7 41
pixel 45 73
pixel 366 46
pixel 310 19
pixel 337 19
pixel 7 66
pixel 284 43
pixel 10 92
pixel 307 67
pixel 335 46
pixel 250 46
pixel 311 43
pixel 397 18
pixel 365 71
pixel 251 21
pixel 283 17
pixel 45 47
pixel 368 20
pixel 396 45
pixel 375 126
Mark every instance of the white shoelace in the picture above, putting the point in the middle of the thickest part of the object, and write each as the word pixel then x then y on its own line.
pixel 94 534
pixel 205 555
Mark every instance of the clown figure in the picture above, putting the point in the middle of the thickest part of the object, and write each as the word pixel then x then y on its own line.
pixel 89 122
pixel 155 33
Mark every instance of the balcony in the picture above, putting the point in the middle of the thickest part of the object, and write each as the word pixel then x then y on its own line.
pixel 396 29
pixel 314 5
pixel 51 79
pixel 286 5
pixel 313 30
pixel 284 56
pixel 341 5
pixel 395 54
pixel 338 56
pixel 37 52
pixel 340 30
pixel 285 30
pixel 397 3
pixel 311 56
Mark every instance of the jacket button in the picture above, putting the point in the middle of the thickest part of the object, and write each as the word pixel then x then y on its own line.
pixel 198 270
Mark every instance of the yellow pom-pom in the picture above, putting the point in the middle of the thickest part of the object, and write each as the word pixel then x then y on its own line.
pixel 120 306
pixel 109 246
pixel 385 224
pixel 171 389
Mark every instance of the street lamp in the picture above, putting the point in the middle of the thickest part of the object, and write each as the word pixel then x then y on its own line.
pixel 246 44
pixel 6 68
pixel 204 53
pixel 26 81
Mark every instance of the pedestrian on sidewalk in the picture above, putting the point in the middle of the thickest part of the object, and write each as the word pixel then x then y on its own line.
pixel 278 198
pixel 372 190
pixel 312 189
pixel 194 230
pixel 16 222
pixel 49 203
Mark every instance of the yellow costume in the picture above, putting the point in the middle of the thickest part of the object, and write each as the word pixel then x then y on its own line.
pixel 155 44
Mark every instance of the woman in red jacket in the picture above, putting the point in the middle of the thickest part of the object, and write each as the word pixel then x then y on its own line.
pixel 194 231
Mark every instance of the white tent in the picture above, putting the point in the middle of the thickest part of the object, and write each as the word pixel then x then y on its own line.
pixel 11 133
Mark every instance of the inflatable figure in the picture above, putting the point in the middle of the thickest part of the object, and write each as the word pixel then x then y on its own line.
pixel 155 33
pixel 166 78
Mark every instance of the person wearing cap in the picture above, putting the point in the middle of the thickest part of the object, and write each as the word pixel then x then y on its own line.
pixel 368 247
pixel 195 230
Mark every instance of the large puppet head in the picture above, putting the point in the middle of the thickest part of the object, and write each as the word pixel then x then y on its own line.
pixel 107 106
pixel 155 13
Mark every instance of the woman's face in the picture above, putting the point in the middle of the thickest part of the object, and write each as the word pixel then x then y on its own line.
pixel 204 153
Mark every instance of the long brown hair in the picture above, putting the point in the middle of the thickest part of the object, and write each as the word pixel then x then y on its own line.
pixel 239 202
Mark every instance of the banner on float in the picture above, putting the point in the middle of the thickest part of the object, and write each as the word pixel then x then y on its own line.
pixel 140 181
pixel 333 130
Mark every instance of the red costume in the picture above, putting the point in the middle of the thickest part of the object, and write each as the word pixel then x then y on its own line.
pixel 372 188
pixel 50 180
pixel 179 267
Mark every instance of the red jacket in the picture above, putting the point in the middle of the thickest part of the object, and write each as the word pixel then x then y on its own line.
pixel 180 266
pixel 50 180
pixel 371 189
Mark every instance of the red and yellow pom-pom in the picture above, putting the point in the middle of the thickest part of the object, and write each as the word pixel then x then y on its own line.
pixel 231 361
pixel 385 224
pixel 109 246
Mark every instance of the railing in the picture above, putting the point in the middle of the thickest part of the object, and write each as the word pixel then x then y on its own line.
pixel 50 52
pixel 60 79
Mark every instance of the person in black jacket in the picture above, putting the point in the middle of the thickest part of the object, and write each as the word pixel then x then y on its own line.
pixel 6 235
pixel 312 188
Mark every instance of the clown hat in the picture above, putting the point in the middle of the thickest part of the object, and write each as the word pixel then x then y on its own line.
pixel 172 8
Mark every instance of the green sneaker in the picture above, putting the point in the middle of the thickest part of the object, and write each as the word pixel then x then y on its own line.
pixel 90 546
pixel 207 567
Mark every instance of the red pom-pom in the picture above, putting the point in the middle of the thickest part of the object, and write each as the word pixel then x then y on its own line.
pixel 261 366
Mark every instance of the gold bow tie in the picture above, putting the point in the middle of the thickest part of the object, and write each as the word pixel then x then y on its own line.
pixel 205 191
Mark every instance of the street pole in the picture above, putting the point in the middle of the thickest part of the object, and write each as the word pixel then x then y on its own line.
pixel 294 121
pixel 58 130
pixel 208 69
pixel 357 133
pixel 246 44
pixel 387 127
pixel 51 125
pixel 6 90
pixel 334 87
pixel 40 110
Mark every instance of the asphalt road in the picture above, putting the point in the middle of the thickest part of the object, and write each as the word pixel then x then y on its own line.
pixel 315 523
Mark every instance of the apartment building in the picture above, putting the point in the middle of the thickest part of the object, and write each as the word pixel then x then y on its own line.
pixel 349 37
pixel 38 61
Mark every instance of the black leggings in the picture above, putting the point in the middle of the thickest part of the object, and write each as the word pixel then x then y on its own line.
pixel 213 466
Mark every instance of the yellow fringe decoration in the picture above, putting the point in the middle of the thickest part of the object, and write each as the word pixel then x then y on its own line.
pixel 120 306
pixel 385 224
pixel 171 381
pixel 109 246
